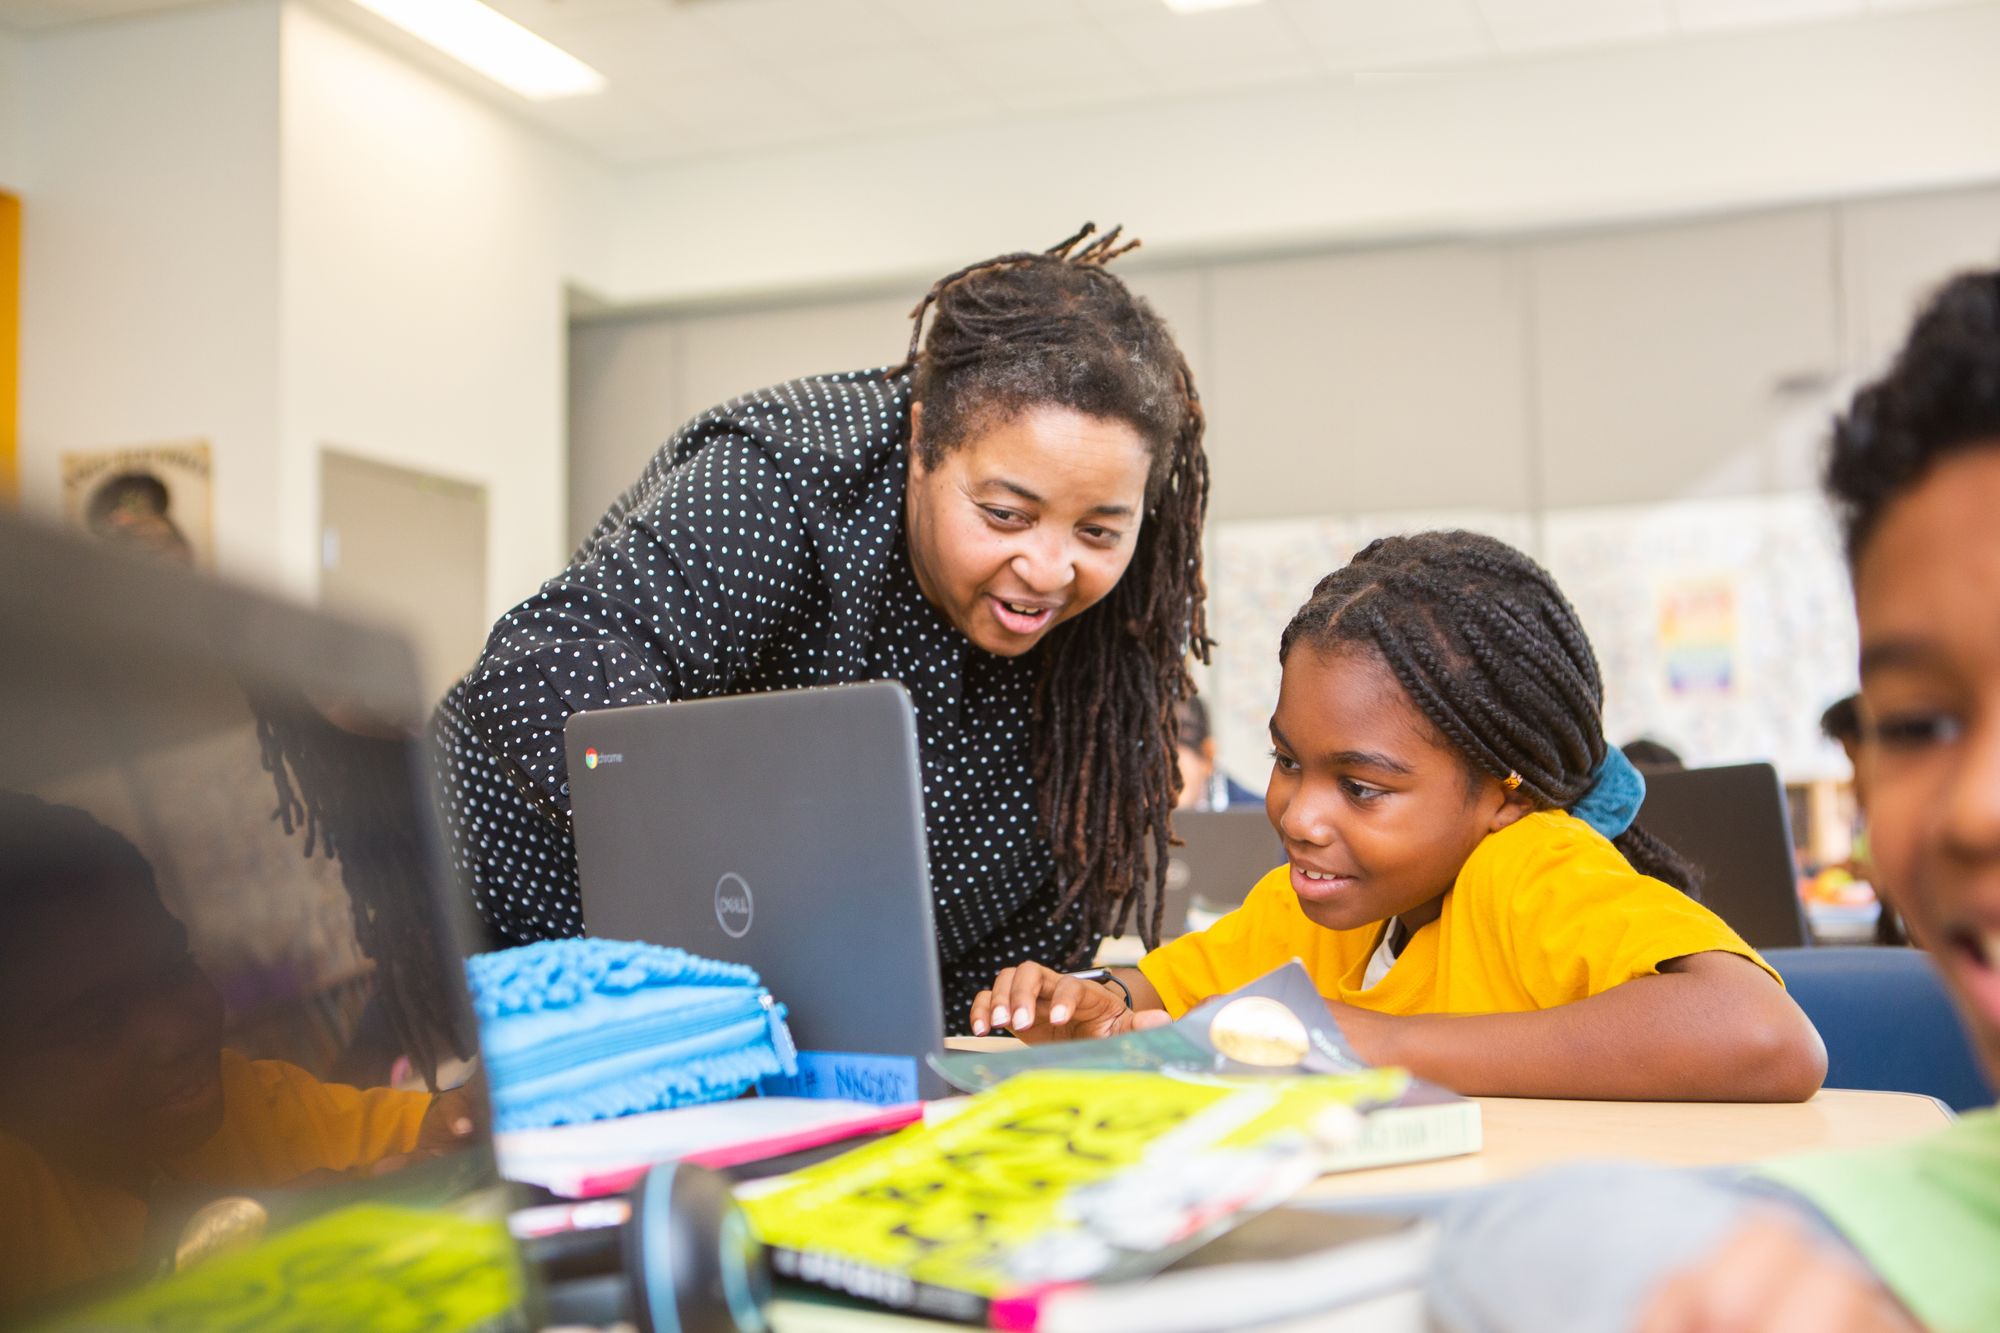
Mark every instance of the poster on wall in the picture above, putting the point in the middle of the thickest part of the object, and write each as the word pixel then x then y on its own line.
pixel 155 497
pixel 1698 634
pixel 1723 626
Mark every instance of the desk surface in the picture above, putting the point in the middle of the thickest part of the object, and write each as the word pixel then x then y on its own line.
pixel 1523 1135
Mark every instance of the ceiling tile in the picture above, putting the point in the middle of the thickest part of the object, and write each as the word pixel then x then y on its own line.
pixel 639 45
pixel 1105 88
pixel 1707 15
pixel 739 98
pixel 1520 26
pixel 1192 52
pixel 951 21
pixel 1085 68
pixel 820 27
pixel 894 77
pixel 1367 34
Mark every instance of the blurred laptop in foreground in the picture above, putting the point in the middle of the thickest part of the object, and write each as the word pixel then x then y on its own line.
pixel 234 1042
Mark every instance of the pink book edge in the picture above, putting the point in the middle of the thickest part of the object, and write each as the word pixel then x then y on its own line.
pixel 757 1149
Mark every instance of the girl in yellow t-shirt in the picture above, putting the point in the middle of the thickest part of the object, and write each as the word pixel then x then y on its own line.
pixel 1463 878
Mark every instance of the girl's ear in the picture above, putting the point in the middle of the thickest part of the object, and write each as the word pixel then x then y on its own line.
pixel 1513 804
pixel 916 434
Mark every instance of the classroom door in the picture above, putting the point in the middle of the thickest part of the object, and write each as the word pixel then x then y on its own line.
pixel 407 548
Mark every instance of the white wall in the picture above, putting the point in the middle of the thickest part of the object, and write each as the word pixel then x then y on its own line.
pixel 1898 101
pixel 426 240
pixel 1680 360
pixel 149 268
pixel 248 225
pixel 10 113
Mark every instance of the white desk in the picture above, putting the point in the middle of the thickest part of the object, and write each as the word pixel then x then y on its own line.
pixel 1523 1135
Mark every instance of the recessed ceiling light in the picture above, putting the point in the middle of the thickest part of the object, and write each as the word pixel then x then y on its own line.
pixel 1197 6
pixel 493 44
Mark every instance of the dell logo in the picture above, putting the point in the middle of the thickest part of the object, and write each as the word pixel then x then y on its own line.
pixel 1178 874
pixel 732 905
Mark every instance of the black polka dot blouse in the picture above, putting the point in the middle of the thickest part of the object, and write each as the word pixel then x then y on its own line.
pixel 761 549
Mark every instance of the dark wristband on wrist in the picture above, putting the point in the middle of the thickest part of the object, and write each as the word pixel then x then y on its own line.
pixel 1105 974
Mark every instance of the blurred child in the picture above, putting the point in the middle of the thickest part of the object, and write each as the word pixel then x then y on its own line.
pixel 1465 882
pixel 116 1091
pixel 1204 784
pixel 1890 1238
pixel 1841 724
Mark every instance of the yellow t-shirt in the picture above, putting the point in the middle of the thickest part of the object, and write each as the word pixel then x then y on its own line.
pixel 1543 912
pixel 279 1123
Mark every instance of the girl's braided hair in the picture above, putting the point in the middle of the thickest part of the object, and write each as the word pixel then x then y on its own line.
pixel 1055 328
pixel 1491 652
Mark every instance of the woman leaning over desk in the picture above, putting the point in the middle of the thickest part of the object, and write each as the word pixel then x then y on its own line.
pixel 952 523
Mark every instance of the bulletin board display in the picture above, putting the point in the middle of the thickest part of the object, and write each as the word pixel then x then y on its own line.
pixel 1722 626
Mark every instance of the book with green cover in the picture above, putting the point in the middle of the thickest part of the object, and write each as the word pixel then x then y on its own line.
pixel 1277 1024
pixel 1056 1176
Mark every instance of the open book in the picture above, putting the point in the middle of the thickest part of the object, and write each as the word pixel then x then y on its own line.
pixel 1277 1024
pixel 1053 1178
pixel 1101 1162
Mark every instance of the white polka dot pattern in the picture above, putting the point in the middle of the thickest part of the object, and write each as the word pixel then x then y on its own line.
pixel 762 549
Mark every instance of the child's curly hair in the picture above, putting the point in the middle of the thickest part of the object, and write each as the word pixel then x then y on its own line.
pixel 1941 395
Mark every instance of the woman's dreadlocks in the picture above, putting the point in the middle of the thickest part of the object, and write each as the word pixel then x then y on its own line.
pixel 352 795
pixel 1029 330
pixel 1488 648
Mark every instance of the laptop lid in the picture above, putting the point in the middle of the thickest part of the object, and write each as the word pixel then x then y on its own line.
pixel 784 831
pixel 226 968
pixel 1224 854
pixel 1732 822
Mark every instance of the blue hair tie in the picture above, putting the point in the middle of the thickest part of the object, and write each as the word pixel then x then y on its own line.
pixel 1615 795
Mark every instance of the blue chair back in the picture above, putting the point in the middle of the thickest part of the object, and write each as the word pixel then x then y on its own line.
pixel 1887 1021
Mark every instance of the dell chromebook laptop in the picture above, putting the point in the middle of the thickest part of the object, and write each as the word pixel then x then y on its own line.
pixel 1731 821
pixel 784 831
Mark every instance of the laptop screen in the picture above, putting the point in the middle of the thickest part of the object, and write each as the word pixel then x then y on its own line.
pixel 236 1085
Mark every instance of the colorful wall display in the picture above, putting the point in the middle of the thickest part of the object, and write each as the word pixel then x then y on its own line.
pixel 1722 626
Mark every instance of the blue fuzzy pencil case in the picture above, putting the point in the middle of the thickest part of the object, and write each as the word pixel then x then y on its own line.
pixel 586 1029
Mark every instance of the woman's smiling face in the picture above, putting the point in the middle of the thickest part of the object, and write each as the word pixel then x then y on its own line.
pixel 1025 524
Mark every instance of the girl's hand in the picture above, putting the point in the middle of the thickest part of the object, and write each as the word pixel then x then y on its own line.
pixel 1039 1004
pixel 1369 1033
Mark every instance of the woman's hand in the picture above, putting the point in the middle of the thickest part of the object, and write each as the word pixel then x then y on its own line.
pixel 1039 1004
pixel 1770 1276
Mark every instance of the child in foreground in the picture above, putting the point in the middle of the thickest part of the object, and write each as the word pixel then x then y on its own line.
pixel 1882 1240
pixel 1464 881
